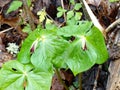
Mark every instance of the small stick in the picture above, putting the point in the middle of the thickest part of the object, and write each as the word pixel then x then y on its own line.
pixel 93 17
pixel 62 3
pixel 56 23
pixel 111 26
pixel 6 30
pixel 97 76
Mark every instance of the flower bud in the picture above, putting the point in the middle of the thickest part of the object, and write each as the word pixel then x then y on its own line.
pixel 34 46
pixel 84 47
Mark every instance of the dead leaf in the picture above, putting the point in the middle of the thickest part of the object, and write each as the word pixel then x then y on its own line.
pixel 13 22
pixel 94 2
pixel 4 2
pixel 66 76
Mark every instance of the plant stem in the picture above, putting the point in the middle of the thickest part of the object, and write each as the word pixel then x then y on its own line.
pixel 60 79
pixel 62 3
pixel 28 14
pixel 80 81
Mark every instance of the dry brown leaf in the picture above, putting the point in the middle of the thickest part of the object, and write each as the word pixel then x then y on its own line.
pixel 4 2
pixel 13 22
pixel 94 2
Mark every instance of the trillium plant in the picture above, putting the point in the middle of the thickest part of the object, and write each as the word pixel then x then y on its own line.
pixel 76 47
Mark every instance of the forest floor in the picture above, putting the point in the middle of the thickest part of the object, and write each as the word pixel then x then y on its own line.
pixel 11 33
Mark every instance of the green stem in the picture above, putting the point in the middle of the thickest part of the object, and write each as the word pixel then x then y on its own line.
pixel 60 79
pixel 80 81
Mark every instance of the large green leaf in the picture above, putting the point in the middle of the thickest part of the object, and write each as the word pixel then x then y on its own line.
pixel 24 54
pixel 87 49
pixel 49 47
pixel 96 39
pixel 16 76
pixel 73 30
pixel 59 61
pixel 79 60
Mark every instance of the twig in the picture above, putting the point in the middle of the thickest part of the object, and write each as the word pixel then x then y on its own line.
pixel 0 14
pixel 29 14
pixel 60 79
pixel 56 23
pixel 62 3
pixel 97 76
pixel 111 26
pixel 93 17
pixel 6 30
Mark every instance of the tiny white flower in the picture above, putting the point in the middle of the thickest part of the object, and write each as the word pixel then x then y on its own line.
pixel 13 48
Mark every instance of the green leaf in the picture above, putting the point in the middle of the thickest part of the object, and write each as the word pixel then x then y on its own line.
pixel 72 2
pixel 51 26
pixel 16 76
pixel 113 0
pixel 59 60
pixel 27 29
pixel 78 15
pixel 59 14
pixel 87 49
pixel 77 6
pixel 24 54
pixel 73 30
pixel 79 60
pixel 60 9
pixel 14 6
pixel 70 14
pixel 71 21
pixel 50 46
pixel 29 3
pixel 96 39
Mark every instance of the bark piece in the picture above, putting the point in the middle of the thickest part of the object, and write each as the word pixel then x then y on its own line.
pixel 114 78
